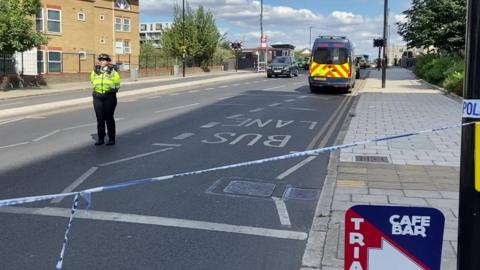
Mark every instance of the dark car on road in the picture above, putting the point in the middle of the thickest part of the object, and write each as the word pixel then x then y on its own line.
pixel 282 65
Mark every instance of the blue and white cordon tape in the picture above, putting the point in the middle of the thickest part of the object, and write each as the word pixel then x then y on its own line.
pixel 86 194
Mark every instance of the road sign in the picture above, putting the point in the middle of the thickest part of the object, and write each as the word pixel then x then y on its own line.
pixel 393 238
pixel 263 41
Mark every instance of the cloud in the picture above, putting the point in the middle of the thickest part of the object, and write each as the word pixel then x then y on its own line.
pixel 283 24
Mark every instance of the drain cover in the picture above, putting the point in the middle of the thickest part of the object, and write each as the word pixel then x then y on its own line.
pixel 371 159
pixel 300 193
pixel 250 188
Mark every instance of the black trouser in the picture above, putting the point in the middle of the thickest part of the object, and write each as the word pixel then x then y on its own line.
pixel 104 105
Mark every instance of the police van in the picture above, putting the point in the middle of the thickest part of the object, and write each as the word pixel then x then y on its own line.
pixel 332 64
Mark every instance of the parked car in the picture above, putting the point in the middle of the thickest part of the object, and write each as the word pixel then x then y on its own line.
pixel 282 66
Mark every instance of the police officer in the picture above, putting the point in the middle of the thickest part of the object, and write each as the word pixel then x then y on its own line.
pixel 106 82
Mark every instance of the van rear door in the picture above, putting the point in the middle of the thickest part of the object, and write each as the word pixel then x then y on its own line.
pixel 331 61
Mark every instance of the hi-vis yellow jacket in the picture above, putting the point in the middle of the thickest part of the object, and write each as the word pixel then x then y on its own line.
pixel 105 81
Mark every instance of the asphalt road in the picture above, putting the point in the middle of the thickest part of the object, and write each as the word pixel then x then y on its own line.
pixel 253 217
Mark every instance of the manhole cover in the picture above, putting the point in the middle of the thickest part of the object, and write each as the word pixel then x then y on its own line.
pixel 300 193
pixel 371 159
pixel 250 188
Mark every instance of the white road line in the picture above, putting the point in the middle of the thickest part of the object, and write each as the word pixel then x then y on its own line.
pixel 11 121
pixel 210 125
pixel 299 109
pixel 134 157
pixel 167 144
pixel 282 212
pixel 46 135
pixel 275 104
pixel 276 87
pixel 76 183
pixel 13 145
pixel 229 104
pixel 290 100
pixel 236 84
pixel 35 117
pixel 294 168
pixel 178 108
pixel 158 221
pixel 257 110
pixel 302 96
pixel 13 103
pixel 193 91
pixel 210 88
pixel 174 94
pixel 234 116
pixel 154 97
pixel 246 83
pixel 223 86
pixel 183 136
pixel 80 126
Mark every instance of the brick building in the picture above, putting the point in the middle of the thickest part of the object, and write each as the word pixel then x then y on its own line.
pixel 79 30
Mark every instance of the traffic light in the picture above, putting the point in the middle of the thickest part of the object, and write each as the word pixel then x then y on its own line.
pixel 236 45
pixel 378 42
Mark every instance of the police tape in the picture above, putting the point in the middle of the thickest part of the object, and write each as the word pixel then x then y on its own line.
pixel 314 152
pixel 86 194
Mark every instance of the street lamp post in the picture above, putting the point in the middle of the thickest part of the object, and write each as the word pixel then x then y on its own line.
pixel 183 34
pixel 310 37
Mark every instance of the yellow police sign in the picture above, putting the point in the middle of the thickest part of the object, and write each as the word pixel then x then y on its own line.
pixel 477 156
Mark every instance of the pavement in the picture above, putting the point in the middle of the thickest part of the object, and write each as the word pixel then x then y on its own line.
pixel 421 170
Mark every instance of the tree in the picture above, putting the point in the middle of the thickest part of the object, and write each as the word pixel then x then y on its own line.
pixel 438 23
pixel 207 37
pixel 201 35
pixel 17 33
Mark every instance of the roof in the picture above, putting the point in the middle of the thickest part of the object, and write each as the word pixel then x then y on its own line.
pixel 283 46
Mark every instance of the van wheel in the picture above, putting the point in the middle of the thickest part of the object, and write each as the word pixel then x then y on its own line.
pixel 269 75
pixel 313 89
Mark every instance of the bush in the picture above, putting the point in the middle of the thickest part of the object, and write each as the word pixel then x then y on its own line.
pixel 454 82
pixel 446 71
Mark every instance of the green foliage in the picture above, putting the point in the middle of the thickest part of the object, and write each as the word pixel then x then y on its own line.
pixel 153 57
pixel 438 23
pixel 17 32
pixel 200 34
pixel 446 71
pixel 221 54
pixel 454 82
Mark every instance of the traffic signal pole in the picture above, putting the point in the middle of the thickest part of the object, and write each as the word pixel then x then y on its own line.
pixel 469 201
pixel 384 60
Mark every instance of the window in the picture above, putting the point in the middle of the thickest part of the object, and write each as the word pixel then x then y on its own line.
pixel 126 46
pixel 118 24
pixel 123 47
pixel 39 20
pixel 82 55
pixel 158 26
pixel 40 62
pixel 102 17
pixel 122 24
pixel 54 61
pixel 329 55
pixel 81 16
pixel 143 27
pixel 126 25
pixel 119 47
pixel 54 21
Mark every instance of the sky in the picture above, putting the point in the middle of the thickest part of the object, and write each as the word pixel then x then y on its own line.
pixel 289 21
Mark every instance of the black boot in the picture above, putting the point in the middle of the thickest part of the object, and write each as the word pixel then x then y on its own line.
pixel 99 142
pixel 110 142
